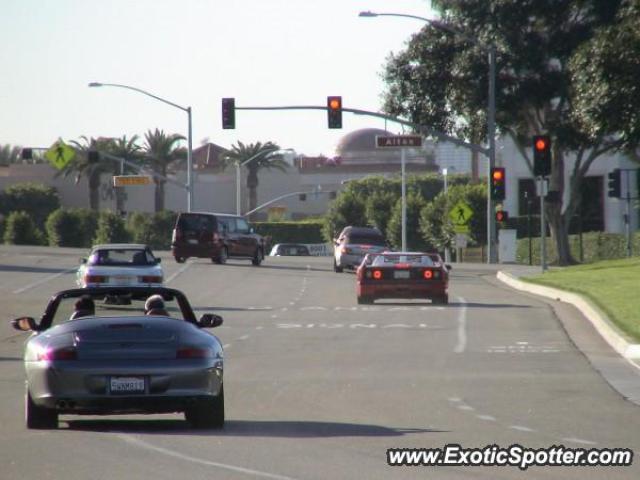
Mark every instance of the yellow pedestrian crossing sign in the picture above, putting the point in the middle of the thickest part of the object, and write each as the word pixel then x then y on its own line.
pixel 460 214
pixel 60 154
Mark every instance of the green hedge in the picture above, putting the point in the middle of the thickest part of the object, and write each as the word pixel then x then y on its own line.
pixel 153 229
pixel 291 232
pixel 20 229
pixel 596 246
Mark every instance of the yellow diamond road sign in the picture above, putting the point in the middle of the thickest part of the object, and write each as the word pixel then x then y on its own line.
pixel 460 214
pixel 60 154
pixel 124 180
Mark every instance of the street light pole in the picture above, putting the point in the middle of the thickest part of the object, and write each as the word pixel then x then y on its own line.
pixel 189 185
pixel 491 117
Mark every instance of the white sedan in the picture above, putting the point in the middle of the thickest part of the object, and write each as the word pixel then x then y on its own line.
pixel 120 264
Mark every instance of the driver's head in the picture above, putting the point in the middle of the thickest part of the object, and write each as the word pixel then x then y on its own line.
pixel 154 302
pixel 85 304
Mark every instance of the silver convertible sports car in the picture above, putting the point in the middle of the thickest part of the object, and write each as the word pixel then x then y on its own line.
pixel 86 356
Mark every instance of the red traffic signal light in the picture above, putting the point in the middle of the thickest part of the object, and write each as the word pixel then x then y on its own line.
pixel 228 113
pixel 502 216
pixel 498 180
pixel 334 112
pixel 541 155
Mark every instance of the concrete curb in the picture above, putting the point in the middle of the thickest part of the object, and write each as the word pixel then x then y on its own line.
pixel 598 319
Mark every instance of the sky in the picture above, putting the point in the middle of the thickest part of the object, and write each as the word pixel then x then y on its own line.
pixel 194 53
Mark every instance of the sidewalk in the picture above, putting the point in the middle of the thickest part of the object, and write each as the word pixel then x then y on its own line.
pixel 619 364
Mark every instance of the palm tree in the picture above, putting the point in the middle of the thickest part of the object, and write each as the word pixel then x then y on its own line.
pixel 262 160
pixel 82 167
pixel 161 154
pixel 9 154
pixel 131 151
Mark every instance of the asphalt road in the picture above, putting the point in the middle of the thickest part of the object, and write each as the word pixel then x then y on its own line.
pixel 318 387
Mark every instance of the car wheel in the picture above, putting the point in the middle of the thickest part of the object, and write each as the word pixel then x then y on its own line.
pixel 180 259
pixel 222 258
pixel 39 417
pixel 336 268
pixel 365 300
pixel 208 413
pixel 441 300
pixel 258 257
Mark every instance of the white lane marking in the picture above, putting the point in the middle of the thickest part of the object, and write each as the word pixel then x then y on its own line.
pixel 305 309
pixel 244 337
pixel 171 453
pixel 455 399
pixel 579 440
pixel 466 407
pixel 488 418
pixel 43 280
pixel 261 327
pixel 462 327
pixel 180 271
pixel 226 345
pixel 521 428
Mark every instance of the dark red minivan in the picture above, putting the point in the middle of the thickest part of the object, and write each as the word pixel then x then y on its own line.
pixel 217 236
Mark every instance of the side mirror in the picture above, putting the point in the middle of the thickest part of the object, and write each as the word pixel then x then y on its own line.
pixel 158 260
pixel 25 324
pixel 449 267
pixel 210 320
pixel 83 260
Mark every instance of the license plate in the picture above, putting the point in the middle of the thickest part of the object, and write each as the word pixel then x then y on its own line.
pixel 122 279
pixel 193 241
pixel 401 274
pixel 121 385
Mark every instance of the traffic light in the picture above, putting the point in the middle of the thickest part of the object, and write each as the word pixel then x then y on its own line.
pixel 541 155
pixel 93 156
pixel 334 112
pixel 498 183
pixel 502 216
pixel 228 113
pixel 615 183
pixel 26 154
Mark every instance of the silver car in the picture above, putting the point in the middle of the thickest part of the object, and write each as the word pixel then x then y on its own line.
pixel 122 359
pixel 353 243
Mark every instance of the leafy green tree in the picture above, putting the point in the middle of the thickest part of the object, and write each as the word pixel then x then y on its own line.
pixel 347 209
pixel 415 242
pixel 378 208
pixel 435 224
pixel 441 80
pixel 9 154
pixel 263 160
pixel 605 72
pixel 161 154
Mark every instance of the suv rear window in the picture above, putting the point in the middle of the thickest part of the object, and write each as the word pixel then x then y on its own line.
pixel 197 223
pixel 366 239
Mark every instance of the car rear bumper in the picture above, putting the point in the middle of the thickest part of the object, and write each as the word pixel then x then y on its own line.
pixel 207 250
pixel 402 290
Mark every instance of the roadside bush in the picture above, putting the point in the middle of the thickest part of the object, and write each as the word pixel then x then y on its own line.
pixel 378 209
pixel 21 230
pixel 63 229
pixel 87 225
pixel 111 229
pixel 347 209
pixel 36 199
pixel 291 232
pixel 152 229
pixel 415 241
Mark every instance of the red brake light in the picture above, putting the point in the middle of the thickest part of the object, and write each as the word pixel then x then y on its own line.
pixel 95 279
pixel 66 353
pixel 428 274
pixel 377 274
pixel 151 279
pixel 193 352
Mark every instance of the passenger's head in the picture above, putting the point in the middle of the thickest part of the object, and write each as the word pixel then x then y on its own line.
pixel 84 307
pixel 155 305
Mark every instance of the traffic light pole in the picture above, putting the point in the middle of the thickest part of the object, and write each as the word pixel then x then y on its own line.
pixel 543 230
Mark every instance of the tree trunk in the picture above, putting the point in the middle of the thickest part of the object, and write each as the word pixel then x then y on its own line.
pixel 252 186
pixel 121 197
pixel 475 161
pixel 159 195
pixel 558 223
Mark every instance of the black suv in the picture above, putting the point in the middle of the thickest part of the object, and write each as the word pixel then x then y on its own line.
pixel 217 236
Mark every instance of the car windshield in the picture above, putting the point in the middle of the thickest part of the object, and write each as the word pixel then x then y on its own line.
pixel 121 257
pixel 293 250
pixel 110 306
pixel 412 260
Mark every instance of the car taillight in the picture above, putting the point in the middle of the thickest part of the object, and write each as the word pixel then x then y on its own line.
pixel 96 278
pixel 377 274
pixel 193 352
pixel 175 236
pixel 151 279
pixel 428 274
pixel 65 353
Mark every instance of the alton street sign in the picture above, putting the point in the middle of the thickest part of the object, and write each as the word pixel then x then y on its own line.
pixel 60 154
pixel 398 141
pixel 125 180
